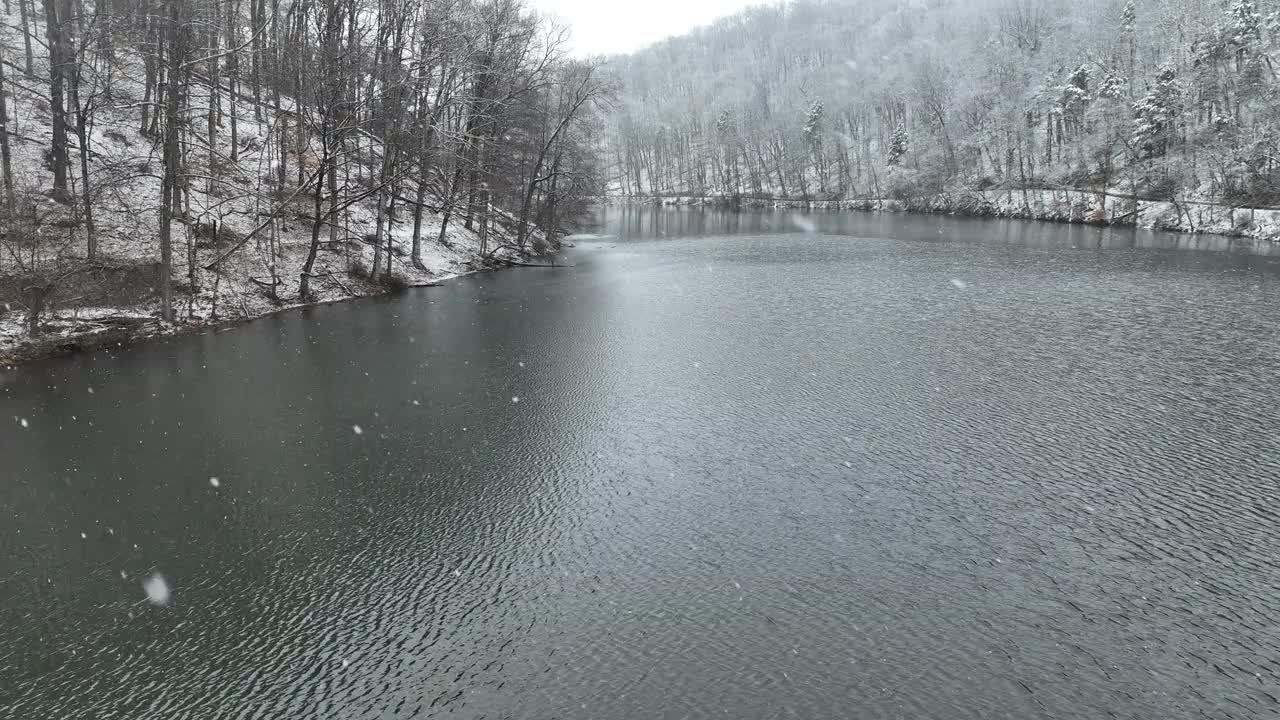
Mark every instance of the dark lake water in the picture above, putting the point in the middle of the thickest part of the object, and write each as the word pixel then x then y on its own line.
pixel 899 467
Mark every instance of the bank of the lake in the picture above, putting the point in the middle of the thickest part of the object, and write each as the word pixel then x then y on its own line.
pixel 86 329
pixel 224 302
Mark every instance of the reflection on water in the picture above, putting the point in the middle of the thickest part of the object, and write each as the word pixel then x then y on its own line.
pixel 899 467
pixel 649 221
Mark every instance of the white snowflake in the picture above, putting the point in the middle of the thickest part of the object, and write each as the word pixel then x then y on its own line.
pixel 157 590
pixel 804 223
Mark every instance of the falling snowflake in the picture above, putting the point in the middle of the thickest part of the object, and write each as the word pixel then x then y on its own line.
pixel 515 399
pixel 215 482
pixel 804 223
pixel 959 284
pixel 23 422
pixel 357 429
pixel 157 590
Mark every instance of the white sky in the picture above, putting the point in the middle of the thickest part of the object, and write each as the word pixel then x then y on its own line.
pixel 604 27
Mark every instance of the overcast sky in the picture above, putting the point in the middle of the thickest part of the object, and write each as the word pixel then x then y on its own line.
pixel 618 26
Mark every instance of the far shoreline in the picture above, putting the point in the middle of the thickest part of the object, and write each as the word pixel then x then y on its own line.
pixel 1060 206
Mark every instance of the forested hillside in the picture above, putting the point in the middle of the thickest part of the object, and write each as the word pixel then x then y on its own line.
pixel 1165 99
pixel 196 159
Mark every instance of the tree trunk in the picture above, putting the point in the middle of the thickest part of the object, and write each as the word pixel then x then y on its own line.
pixel 83 138
pixel 317 197
pixel 56 31
pixel 169 187
pixel 30 69
pixel 35 308
pixel 150 89
pixel 6 157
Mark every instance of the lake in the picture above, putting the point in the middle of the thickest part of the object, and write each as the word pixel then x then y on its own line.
pixel 757 465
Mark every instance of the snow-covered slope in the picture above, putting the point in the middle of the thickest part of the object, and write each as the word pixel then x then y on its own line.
pixel 234 196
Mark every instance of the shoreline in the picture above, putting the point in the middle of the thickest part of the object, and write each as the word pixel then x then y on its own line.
pixel 105 317
pixel 1070 207
pixel 125 329
pixel 107 327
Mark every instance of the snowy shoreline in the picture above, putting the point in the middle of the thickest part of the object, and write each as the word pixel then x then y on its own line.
pixel 90 330
pixel 85 329
pixel 1076 207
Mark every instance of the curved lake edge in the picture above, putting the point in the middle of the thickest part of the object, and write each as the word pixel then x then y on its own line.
pixel 130 328
pixel 132 325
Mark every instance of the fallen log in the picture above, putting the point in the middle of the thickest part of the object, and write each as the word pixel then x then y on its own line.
pixel 516 263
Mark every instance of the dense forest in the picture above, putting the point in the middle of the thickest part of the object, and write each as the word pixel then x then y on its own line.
pixel 1163 99
pixel 188 158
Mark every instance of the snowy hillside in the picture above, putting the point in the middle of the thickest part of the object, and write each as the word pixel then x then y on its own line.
pixel 246 198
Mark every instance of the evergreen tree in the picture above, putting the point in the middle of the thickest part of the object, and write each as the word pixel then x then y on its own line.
pixel 900 145
pixel 1156 114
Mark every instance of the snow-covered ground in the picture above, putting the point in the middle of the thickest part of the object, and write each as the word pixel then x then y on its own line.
pixel 235 196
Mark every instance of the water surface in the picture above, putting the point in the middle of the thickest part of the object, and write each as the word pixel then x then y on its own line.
pixel 897 467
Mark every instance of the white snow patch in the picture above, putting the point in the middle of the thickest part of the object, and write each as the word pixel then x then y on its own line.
pixel 959 284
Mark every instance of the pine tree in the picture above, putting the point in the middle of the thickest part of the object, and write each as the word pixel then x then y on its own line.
pixel 813 138
pixel 813 123
pixel 1156 114
pixel 899 145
